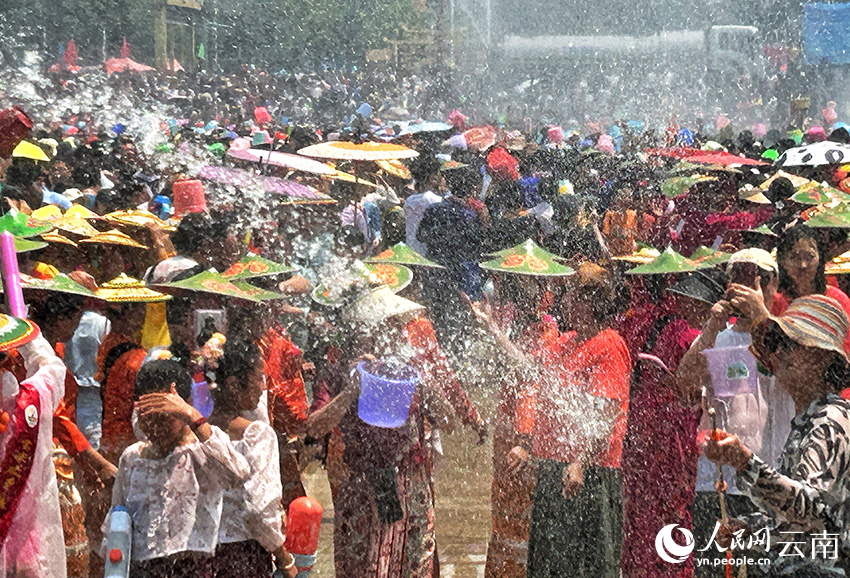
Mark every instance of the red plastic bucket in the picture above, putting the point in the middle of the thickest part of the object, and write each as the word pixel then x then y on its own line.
pixel 189 197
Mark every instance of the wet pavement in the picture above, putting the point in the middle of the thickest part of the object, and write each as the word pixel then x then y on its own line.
pixel 463 508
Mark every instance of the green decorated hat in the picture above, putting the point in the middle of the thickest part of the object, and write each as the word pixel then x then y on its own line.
pixel 813 193
pixel 360 277
pixel 762 230
pixel 837 217
pixel 402 254
pixel 678 186
pixel 643 254
pixel 22 225
pixel 212 282
pixel 61 283
pixel 668 262
pixel 527 258
pixel 258 293
pixel 15 332
pixel 251 266
pixel 27 245
pixel 704 257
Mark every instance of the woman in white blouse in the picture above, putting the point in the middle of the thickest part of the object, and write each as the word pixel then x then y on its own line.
pixel 252 517
pixel 172 484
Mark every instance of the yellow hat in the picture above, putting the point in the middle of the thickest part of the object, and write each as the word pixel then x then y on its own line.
pixel 126 289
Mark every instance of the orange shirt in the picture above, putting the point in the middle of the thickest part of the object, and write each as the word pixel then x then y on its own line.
pixel 287 396
pixel 118 400
pixel 600 366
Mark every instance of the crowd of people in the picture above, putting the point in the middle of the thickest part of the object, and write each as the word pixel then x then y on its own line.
pixel 591 277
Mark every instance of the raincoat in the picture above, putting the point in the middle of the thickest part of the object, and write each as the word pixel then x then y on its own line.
pixel 34 545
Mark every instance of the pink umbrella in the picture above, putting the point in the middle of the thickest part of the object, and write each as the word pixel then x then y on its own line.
pixel 286 160
pixel 296 192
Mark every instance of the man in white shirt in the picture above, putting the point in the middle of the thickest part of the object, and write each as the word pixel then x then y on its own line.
pixel 759 413
pixel 427 178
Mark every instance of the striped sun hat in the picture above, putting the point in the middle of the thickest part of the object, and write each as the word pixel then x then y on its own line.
pixel 816 321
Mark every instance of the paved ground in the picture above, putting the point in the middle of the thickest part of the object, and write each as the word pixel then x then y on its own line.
pixel 463 509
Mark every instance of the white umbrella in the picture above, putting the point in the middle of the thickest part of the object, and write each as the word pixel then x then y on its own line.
pixel 286 160
pixel 815 155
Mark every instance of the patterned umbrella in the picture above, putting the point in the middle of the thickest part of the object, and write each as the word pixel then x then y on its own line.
pixel 815 155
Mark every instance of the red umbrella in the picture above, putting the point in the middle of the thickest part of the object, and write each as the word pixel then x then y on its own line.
pixel 706 157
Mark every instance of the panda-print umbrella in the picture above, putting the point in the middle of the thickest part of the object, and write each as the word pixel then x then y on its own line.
pixel 815 155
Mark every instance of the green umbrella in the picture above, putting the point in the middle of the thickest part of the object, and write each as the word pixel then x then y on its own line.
pixel 212 282
pixel 704 257
pixel 61 283
pixel 677 186
pixel 813 193
pixel 527 258
pixel 837 217
pixel 251 266
pixel 22 225
pixel 402 254
pixel 668 262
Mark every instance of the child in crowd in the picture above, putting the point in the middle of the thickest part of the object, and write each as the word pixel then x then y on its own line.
pixel 172 484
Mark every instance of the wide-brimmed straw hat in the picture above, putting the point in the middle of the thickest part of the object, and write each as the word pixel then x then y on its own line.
pixel 815 321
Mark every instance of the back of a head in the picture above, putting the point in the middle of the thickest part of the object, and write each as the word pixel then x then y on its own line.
pixel 463 182
pixel 192 232
pixel 240 360
pixel 159 375
pixel 424 167
pixel 780 189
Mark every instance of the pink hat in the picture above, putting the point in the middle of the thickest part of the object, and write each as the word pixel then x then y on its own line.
pixel 556 134
pixel 605 144
pixel 816 134
pixel 759 130
pixel 457 119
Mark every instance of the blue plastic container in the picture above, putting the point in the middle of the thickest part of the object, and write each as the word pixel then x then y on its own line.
pixel 385 398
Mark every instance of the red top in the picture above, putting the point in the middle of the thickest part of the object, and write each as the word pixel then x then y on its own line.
pixel 287 397
pixel 781 303
pixel 601 366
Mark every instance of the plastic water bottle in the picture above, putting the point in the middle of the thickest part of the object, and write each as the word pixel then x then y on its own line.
pixel 119 542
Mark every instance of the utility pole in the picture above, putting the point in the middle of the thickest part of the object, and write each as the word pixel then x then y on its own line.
pixel 160 34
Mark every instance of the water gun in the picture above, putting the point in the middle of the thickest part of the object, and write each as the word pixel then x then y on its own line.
pixel 119 542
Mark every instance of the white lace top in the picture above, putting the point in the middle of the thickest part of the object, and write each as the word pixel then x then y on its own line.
pixel 253 511
pixel 175 502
